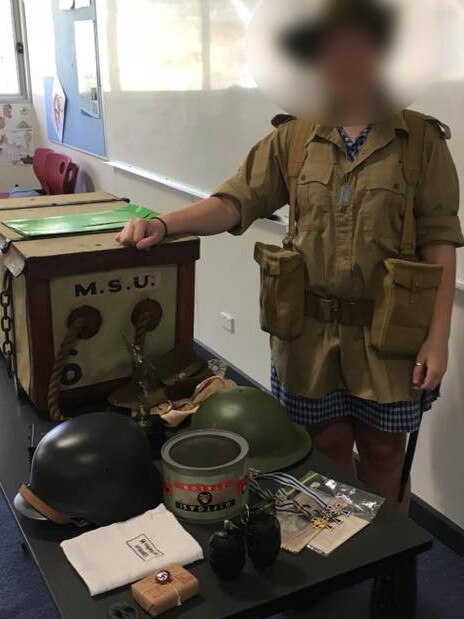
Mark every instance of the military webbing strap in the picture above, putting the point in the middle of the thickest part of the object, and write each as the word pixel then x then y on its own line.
pixel 301 131
pixel 413 150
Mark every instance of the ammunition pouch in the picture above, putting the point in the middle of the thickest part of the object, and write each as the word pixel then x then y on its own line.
pixel 282 297
pixel 404 308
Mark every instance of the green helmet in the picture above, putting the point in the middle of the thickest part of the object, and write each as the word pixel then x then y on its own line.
pixel 275 441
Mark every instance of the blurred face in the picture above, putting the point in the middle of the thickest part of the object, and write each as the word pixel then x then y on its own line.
pixel 349 63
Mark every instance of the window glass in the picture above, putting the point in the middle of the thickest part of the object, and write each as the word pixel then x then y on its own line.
pixel 228 24
pixel 174 45
pixel 9 80
pixel 165 50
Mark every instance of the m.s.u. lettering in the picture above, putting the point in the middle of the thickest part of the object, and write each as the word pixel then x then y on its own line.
pixel 114 286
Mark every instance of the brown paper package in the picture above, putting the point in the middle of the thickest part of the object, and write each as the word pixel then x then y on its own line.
pixel 157 598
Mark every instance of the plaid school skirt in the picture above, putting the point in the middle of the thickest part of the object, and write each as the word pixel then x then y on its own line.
pixel 397 417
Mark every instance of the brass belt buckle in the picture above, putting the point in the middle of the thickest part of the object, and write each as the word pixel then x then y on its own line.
pixel 336 309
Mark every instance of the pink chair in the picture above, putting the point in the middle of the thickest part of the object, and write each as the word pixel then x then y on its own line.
pixel 71 181
pixel 38 164
pixel 60 174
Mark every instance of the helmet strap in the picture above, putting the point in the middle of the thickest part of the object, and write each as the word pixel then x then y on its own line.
pixel 44 509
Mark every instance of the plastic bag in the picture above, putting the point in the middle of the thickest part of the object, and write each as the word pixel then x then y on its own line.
pixel 315 511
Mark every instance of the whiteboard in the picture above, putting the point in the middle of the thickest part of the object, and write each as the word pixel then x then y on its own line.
pixel 178 97
pixel 179 101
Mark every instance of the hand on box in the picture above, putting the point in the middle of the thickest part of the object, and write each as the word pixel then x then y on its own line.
pixel 143 233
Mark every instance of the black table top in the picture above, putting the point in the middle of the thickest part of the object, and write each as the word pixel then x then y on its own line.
pixel 384 544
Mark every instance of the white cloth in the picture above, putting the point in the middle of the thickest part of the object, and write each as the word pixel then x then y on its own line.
pixel 122 553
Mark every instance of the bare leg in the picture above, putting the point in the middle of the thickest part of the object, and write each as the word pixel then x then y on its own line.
pixel 381 462
pixel 335 439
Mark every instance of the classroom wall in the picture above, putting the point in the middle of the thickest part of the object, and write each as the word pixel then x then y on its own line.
pixel 228 281
pixel 16 140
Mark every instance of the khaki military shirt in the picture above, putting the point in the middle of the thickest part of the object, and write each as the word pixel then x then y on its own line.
pixel 345 246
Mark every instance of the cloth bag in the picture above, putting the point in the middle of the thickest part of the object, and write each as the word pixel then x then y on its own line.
pixel 121 553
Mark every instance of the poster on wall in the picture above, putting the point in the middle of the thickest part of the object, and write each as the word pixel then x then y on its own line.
pixel 87 72
pixel 16 133
pixel 58 108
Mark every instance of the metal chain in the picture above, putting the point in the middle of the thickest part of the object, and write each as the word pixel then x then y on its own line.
pixel 6 322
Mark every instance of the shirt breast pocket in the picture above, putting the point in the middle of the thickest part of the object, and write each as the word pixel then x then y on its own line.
pixel 384 204
pixel 315 196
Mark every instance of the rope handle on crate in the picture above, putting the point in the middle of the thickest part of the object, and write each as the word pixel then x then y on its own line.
pixel 84 323
pixel 146 317
pixel 141 329
pixel 70 339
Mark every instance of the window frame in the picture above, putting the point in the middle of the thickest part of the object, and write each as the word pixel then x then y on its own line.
pixel 22 61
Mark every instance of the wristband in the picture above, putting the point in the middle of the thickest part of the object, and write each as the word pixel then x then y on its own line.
pixel 166 231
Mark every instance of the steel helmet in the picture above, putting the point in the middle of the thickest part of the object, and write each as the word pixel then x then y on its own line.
pixel 275 441
pixel 95 468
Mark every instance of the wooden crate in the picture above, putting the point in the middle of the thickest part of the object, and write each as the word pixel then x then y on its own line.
pixel 53 277
pixel 68 199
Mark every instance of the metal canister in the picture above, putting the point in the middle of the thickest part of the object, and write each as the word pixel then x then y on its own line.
pixel 205 475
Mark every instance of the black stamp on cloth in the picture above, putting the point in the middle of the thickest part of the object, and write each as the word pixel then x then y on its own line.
pixel 144 548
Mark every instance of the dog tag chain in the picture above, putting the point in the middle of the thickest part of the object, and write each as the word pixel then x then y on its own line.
pixel 345 195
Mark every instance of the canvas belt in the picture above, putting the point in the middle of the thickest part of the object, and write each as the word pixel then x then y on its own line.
pixel 357 313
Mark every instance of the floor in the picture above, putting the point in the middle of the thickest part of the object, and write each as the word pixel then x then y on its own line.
pixel 441 581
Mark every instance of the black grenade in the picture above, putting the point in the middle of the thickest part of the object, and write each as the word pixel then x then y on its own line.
pixel 227 552
pixel 263 539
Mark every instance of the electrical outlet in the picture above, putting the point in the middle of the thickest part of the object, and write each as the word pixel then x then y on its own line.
pixel 228 322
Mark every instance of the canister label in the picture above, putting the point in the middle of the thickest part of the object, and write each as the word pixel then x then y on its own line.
pixel 203 498
pixel 205 508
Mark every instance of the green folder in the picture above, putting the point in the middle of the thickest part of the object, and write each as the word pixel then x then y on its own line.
pixel 77 223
